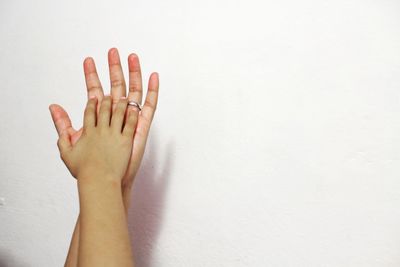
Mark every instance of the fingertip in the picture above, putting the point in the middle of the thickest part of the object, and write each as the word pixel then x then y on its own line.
pixel 154 81
pixel 155 76
pixel 113 55
pixel 54 107
pixel 133 55
pixel 132 58
pixel 88 65
pixel 112 50
pixel 87 60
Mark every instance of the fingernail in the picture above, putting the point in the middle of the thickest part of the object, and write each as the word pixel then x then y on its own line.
pixel 123 97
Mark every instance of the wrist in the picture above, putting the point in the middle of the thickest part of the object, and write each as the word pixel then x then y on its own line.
pixel 95 193
pixel 98 183
pixel 96 178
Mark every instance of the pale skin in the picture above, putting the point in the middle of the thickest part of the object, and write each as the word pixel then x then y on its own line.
pixel 98 160
pixel 118 88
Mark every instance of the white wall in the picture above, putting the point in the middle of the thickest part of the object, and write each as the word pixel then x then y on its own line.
pixel 276 141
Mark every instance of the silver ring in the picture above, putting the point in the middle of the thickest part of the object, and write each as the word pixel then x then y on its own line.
pixel 135 104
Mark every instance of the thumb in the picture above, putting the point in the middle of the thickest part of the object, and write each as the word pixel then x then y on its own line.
pixel 64 144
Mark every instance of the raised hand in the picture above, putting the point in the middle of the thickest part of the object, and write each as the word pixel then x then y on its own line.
pixel 63 123
pixel 103 150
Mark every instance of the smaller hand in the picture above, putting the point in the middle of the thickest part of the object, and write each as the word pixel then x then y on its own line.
pixel 105 146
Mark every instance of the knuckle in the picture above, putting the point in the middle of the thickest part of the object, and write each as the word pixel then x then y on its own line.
pixel 117 83
pixel 89 109
pixel 104 131
pixel 94 87
pixel 145 119
pixel 132 110
pixel 105 105
pixel 86 131
pixel 122 104
pixel 149 104
pixel 59 143
pixel 135 88
pixel 62 156
pixel 91 102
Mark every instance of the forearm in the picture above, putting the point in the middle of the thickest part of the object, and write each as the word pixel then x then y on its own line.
pixel 104 236
pixel 72 257
pixel 126 197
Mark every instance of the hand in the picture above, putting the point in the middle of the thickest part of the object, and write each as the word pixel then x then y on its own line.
pixel 105 146
pixel 63 124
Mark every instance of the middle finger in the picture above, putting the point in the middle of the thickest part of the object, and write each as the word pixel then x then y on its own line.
pixel 118 86
pixel 135 79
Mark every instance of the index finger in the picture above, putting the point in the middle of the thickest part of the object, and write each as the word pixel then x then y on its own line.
pixel 92 80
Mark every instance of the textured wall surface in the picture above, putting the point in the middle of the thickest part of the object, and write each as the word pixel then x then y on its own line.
pixel 276 141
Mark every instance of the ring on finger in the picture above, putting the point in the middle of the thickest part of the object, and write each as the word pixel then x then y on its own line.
pixel 135 104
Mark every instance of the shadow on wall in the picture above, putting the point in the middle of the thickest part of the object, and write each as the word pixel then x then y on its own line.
pixel 7 260
pixel 148 202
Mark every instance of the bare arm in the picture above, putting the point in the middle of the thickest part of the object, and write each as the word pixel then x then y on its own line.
pixel 72 257
pixel 63 123
pixel 99 160
pixel 104 236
